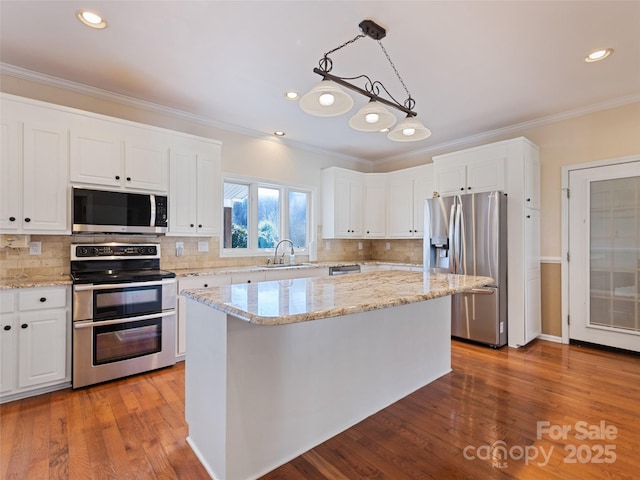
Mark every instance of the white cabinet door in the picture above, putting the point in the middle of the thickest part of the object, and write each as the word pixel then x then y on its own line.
pixel 356 205
pixel 10 172
pixel 209 198
pixel 8 361
pixel 342 218
pixel 342 203
pixel 407 191
pixel 96 154
pixel 486 175
pixel 533 319
pixel 195 201
pixel 422 189
pixel 182 198
pixel 400 216
pixel 45 178
pixel 42 347
pixel 146 161
pixel 531 179
pixel 450 179
pixel 532 239
pixel 375 205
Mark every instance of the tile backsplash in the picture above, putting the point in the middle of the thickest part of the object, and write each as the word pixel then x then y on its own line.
pixel 55 257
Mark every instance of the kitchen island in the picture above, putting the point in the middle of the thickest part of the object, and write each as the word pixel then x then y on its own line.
pixel 275 368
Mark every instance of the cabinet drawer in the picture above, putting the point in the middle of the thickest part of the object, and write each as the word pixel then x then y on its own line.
pixel 40 299
pixel 7 302
pixel 203 281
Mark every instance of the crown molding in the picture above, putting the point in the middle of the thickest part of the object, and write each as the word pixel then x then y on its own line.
pixel 515 129
pixel 50 80
pixel 102 94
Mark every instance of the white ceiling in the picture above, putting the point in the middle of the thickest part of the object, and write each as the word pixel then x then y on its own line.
pixel 473 67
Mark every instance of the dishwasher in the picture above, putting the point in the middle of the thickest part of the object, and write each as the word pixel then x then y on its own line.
pixel 344 269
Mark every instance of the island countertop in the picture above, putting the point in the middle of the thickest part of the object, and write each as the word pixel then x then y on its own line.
pixel 282 302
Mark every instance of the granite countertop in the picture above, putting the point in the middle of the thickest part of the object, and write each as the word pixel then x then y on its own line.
pixel 58 280
pixel 282 302
pixel 34 282
pixel 196 272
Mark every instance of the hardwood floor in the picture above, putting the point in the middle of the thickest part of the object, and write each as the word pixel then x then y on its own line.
pixel 134 428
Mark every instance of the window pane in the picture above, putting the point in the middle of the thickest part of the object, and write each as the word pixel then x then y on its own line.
pixel 268 217
pixel 236 201
pixel 298 218
pixel 615 253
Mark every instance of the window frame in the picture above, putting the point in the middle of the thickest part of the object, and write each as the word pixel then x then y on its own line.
pixel 252 249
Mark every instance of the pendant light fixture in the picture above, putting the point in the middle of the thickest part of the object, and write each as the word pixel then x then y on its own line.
pixel 409 130
pixel 373 117
pixel 328 99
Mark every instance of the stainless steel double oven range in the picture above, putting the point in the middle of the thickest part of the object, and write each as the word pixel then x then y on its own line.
pixel 124 311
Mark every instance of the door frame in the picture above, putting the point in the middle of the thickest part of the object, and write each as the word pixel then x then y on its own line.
pixel 566 169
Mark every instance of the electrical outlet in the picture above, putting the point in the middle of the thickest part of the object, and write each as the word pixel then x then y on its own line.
pixel 359 245
pixel 179 249
pixel 327 245
pixel 203 246
pixel 35 248
pixel 388 246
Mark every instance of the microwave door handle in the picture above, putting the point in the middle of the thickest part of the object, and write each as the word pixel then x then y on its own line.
pixel 152 220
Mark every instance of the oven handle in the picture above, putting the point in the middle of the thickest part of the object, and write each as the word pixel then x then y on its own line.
pixel 110 286
pixel 91 323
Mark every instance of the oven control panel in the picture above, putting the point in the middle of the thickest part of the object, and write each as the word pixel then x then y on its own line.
pixel 115 250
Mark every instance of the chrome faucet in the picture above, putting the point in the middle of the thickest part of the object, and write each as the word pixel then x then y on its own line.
pixel 275 253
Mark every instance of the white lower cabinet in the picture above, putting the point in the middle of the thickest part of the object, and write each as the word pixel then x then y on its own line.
pixel 35 339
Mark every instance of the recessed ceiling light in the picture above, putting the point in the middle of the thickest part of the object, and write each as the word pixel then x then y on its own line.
pixel 598 55
pixel 91 19
pixel 279 133
pixel 291 95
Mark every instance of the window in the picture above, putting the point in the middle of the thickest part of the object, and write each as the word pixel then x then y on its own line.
pixel 258 215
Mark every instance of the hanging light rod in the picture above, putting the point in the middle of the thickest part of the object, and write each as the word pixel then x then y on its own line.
pixel 327 99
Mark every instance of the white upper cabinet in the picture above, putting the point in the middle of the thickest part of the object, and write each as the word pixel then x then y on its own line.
pixel 342 203
pixel 407 191
pixel 96 153
pixel 146 160
pixel 531 179
pixel 480 169
pixel 122 156
pixel 34 168
pixel 375 205
pixel 195 187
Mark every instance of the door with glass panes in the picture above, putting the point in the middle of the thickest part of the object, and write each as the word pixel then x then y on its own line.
pixel 604 247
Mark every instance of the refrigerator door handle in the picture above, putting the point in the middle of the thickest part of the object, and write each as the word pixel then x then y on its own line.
pixel 483 291
pixel 452 240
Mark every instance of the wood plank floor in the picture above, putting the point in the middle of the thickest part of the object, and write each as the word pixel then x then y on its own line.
pixel 451 429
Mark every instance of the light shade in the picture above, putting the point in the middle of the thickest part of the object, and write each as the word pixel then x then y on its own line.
pixel 326 99
pixel 409 130
pixel 372 117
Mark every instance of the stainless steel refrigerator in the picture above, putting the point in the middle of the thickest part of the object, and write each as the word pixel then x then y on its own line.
pixel 467 234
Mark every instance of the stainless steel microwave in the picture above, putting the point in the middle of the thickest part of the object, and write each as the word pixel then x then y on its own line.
pixel 103 211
